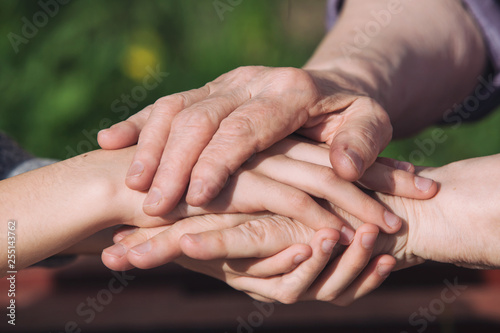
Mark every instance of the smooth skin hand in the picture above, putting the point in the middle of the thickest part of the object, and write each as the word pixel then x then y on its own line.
pixel 460 225
pixel 64 209
pixel 292 171
pixel 351 101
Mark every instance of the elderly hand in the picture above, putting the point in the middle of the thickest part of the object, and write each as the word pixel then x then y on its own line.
pixel 203 136
pixel 279 242
pixel 277 264
pixel 283 178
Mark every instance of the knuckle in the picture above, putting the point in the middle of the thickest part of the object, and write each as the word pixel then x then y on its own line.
pixel 292 80
pixel 241 125
pixel 172 102
pixel 381 123
pixel 299 200
pixel 327 176
pixel 246 70
pixel 222 240
pixel 194 119
pixel 294 75
pixel 256 231
pixel 368 204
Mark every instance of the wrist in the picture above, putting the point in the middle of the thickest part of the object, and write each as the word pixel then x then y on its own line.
pixel 459 225
pixel 104 172
pixel 416 67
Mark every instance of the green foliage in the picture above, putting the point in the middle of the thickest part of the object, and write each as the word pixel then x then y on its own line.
pixel 59 88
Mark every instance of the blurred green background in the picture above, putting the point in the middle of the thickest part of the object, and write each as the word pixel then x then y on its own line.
pixel 69 78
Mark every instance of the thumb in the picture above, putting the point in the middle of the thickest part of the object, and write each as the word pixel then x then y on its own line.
pixel 364 133
pixel 124 133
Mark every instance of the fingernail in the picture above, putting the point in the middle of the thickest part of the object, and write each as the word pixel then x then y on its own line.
pixel 136 169
pixel 193 238
pixel 153 198
pixel 368 240
pixel 423 184
pixel 327 246
pixel 142 248
pixel 355 160
pixel 405 166
pixel 195 187
pixel 103 130
pixel 117 250
pixel 299 258
pixel 391 220
pixel 346 236
pixel 384 270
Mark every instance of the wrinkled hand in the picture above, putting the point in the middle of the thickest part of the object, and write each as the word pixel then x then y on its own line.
pixel 281 238
pixel 277 264
pixel 283 178
pixel 203 136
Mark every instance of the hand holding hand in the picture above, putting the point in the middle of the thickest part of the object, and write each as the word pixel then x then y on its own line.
pixel 204 135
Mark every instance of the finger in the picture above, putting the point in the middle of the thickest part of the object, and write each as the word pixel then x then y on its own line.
pixel 164 246
pixel 370 279
pixel 244 194
pixel 280 263
pixel 400 165
pixel 249 129
pixel 190 133
pixel 290 287
pixel 114 257
pixel 154 135
pixel 340 273
pixel 123 232
pixel 257 238
pixel 116 263
pixel 322 182
pixel 365 132
pixel 124 133
pixel 383 178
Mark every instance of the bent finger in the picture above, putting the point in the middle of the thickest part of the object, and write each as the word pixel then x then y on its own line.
pixel 191 131
pixel 244 194
pixel 340 273
pixel 250 128
pixel 154 135
pixel 382 178
pixel 322 182
pixel 280 263
pixel 290 287
pixel 164 247
pixel 370 279
pixel 365 132
pixel 258 238
pixel 124 133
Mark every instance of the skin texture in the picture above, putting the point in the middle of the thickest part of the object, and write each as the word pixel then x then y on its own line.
pixel 438 229
pixel 64 209
pixel 426 56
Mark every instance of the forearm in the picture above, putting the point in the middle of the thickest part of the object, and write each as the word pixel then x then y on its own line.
pixel 57 206
pixel 416 61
